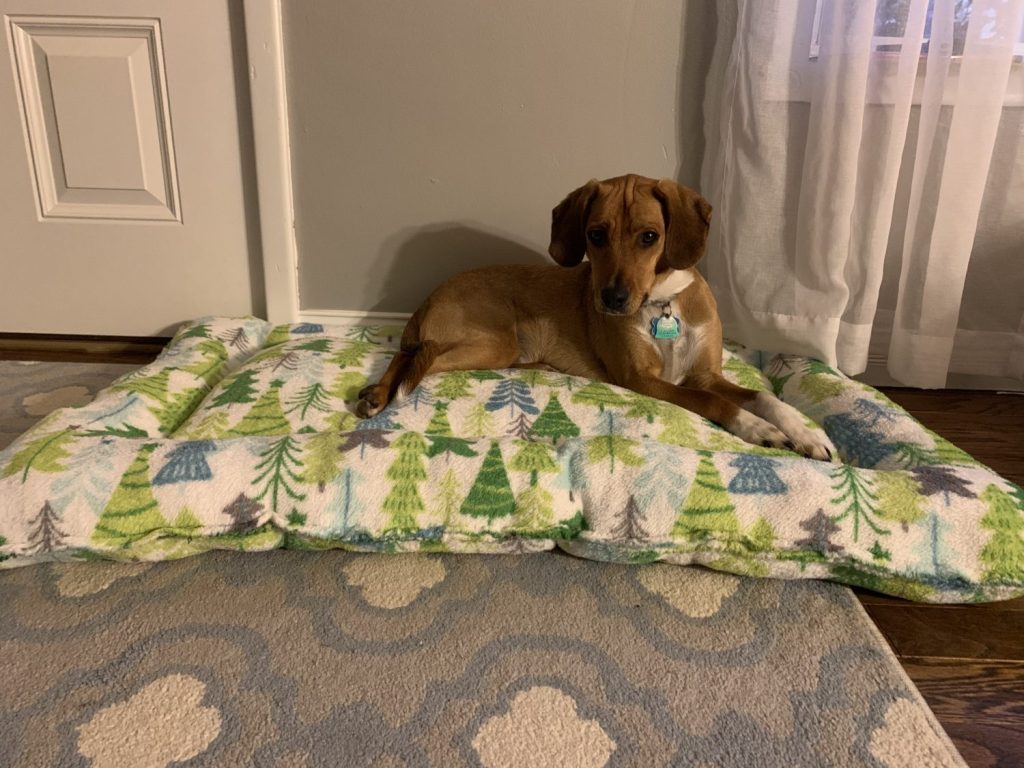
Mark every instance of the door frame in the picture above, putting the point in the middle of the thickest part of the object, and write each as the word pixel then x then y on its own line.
pixel 269 98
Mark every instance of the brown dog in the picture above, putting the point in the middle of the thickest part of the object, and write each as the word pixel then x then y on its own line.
pixel 636 314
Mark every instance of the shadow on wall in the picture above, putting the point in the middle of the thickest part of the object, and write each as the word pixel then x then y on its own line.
pixel 434 253
pixel 697 46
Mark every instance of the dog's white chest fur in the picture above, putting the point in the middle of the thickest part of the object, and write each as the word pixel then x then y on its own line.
pixel 678 354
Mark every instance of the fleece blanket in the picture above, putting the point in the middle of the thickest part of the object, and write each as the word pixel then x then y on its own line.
pixel 241 436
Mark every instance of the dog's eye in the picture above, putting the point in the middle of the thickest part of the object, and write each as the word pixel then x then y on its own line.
pixel 597 236
pixel 650 237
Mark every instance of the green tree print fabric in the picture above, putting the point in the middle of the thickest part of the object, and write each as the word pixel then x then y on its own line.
pixel 242 435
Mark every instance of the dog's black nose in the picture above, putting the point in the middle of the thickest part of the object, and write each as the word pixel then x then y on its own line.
pixel 614 297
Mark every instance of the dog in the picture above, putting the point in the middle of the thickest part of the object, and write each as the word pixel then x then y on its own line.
pixel 625 305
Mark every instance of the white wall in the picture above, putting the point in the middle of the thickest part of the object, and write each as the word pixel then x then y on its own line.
pixel 430 137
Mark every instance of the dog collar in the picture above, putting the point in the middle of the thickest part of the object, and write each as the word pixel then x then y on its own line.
pixel 666 325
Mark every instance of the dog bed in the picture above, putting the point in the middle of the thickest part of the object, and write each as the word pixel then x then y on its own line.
pixel 241 436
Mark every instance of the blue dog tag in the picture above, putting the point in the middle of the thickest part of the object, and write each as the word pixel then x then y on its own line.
pixel 665 327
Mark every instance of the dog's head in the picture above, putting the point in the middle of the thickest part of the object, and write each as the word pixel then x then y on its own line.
pixel 634 230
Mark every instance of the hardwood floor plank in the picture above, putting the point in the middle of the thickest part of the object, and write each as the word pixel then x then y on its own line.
pixel 942 632
pixel 987 746
pixel 983 691
pixel 80 349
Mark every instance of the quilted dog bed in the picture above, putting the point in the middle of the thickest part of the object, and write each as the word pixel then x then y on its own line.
pixel 241 436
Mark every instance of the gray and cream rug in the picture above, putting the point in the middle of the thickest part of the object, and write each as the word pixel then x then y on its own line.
pixel 307 659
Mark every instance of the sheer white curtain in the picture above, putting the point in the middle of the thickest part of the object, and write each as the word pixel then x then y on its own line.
pixel 818 113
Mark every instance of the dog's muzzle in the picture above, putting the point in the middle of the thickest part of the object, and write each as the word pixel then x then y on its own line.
pixel 614 298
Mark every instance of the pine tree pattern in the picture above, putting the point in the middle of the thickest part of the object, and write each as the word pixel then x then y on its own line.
pixel 132 511
pixel 346 385
pixel 1003 554
pixel 743 374
pixel 679 428
pixel 643 407
pixel 761 536
pixel 757 474
pixel 278 474
pixel 612 446
pixel 352 354
pixel 186 463
pixel 419 396
pixel 442 440
pixel 208 366
pixel 934 480
pixel 238 338
pixel 821 529
pixel 947 453
pixel 448 498
pixel 519 426
pixel 322 459
pixel 45 533
pixel 265 417
pixel 534 509
pixel 600 395
pixel 532 457
pixel 491 495
pixel 240 388
pixel 316 345
pixel 899 498
pixel 403 502
pixel 858 499
pixel 858 445
pixel 154 387
pixel 312 396
pixel 453 385
pixel 707 508
pixel 631 522
pixel 45 453
pixel 644 469
pixel 186 524
pixel 512 394
pixel 553 423
pixel 372 432
pixel 479 423
pixel 880 553
pixel 198 331
pixel 212 426
pixel 244 513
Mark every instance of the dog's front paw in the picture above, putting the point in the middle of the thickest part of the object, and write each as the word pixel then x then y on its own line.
pixel 757 431
pixel 371 401
pixel 811 442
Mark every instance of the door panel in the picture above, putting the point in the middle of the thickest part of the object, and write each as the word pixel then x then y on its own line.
pixel 125 143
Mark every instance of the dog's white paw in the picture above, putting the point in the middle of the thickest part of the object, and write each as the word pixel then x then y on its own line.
pixel 757 431
pixel 807 441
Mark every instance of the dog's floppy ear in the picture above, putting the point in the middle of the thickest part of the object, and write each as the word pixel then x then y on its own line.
pixel 687 220
pixel 568 243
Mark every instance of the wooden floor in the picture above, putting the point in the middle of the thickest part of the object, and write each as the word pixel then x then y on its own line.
pixel 968 661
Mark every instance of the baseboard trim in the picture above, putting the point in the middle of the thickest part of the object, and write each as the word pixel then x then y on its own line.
pixel 346 317
pixel 133 350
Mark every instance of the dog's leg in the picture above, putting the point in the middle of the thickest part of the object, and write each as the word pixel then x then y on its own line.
pixel 375 397
pixel 716 408
pixel 810 442
pixel 413 362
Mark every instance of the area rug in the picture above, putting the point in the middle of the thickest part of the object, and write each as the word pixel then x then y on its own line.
pixel 326 659
pixel 348 659
pixel 241 436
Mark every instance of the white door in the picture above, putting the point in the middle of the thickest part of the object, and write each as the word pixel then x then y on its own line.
pixel 127 188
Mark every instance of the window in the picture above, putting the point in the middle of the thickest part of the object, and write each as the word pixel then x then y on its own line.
pixel 891 23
